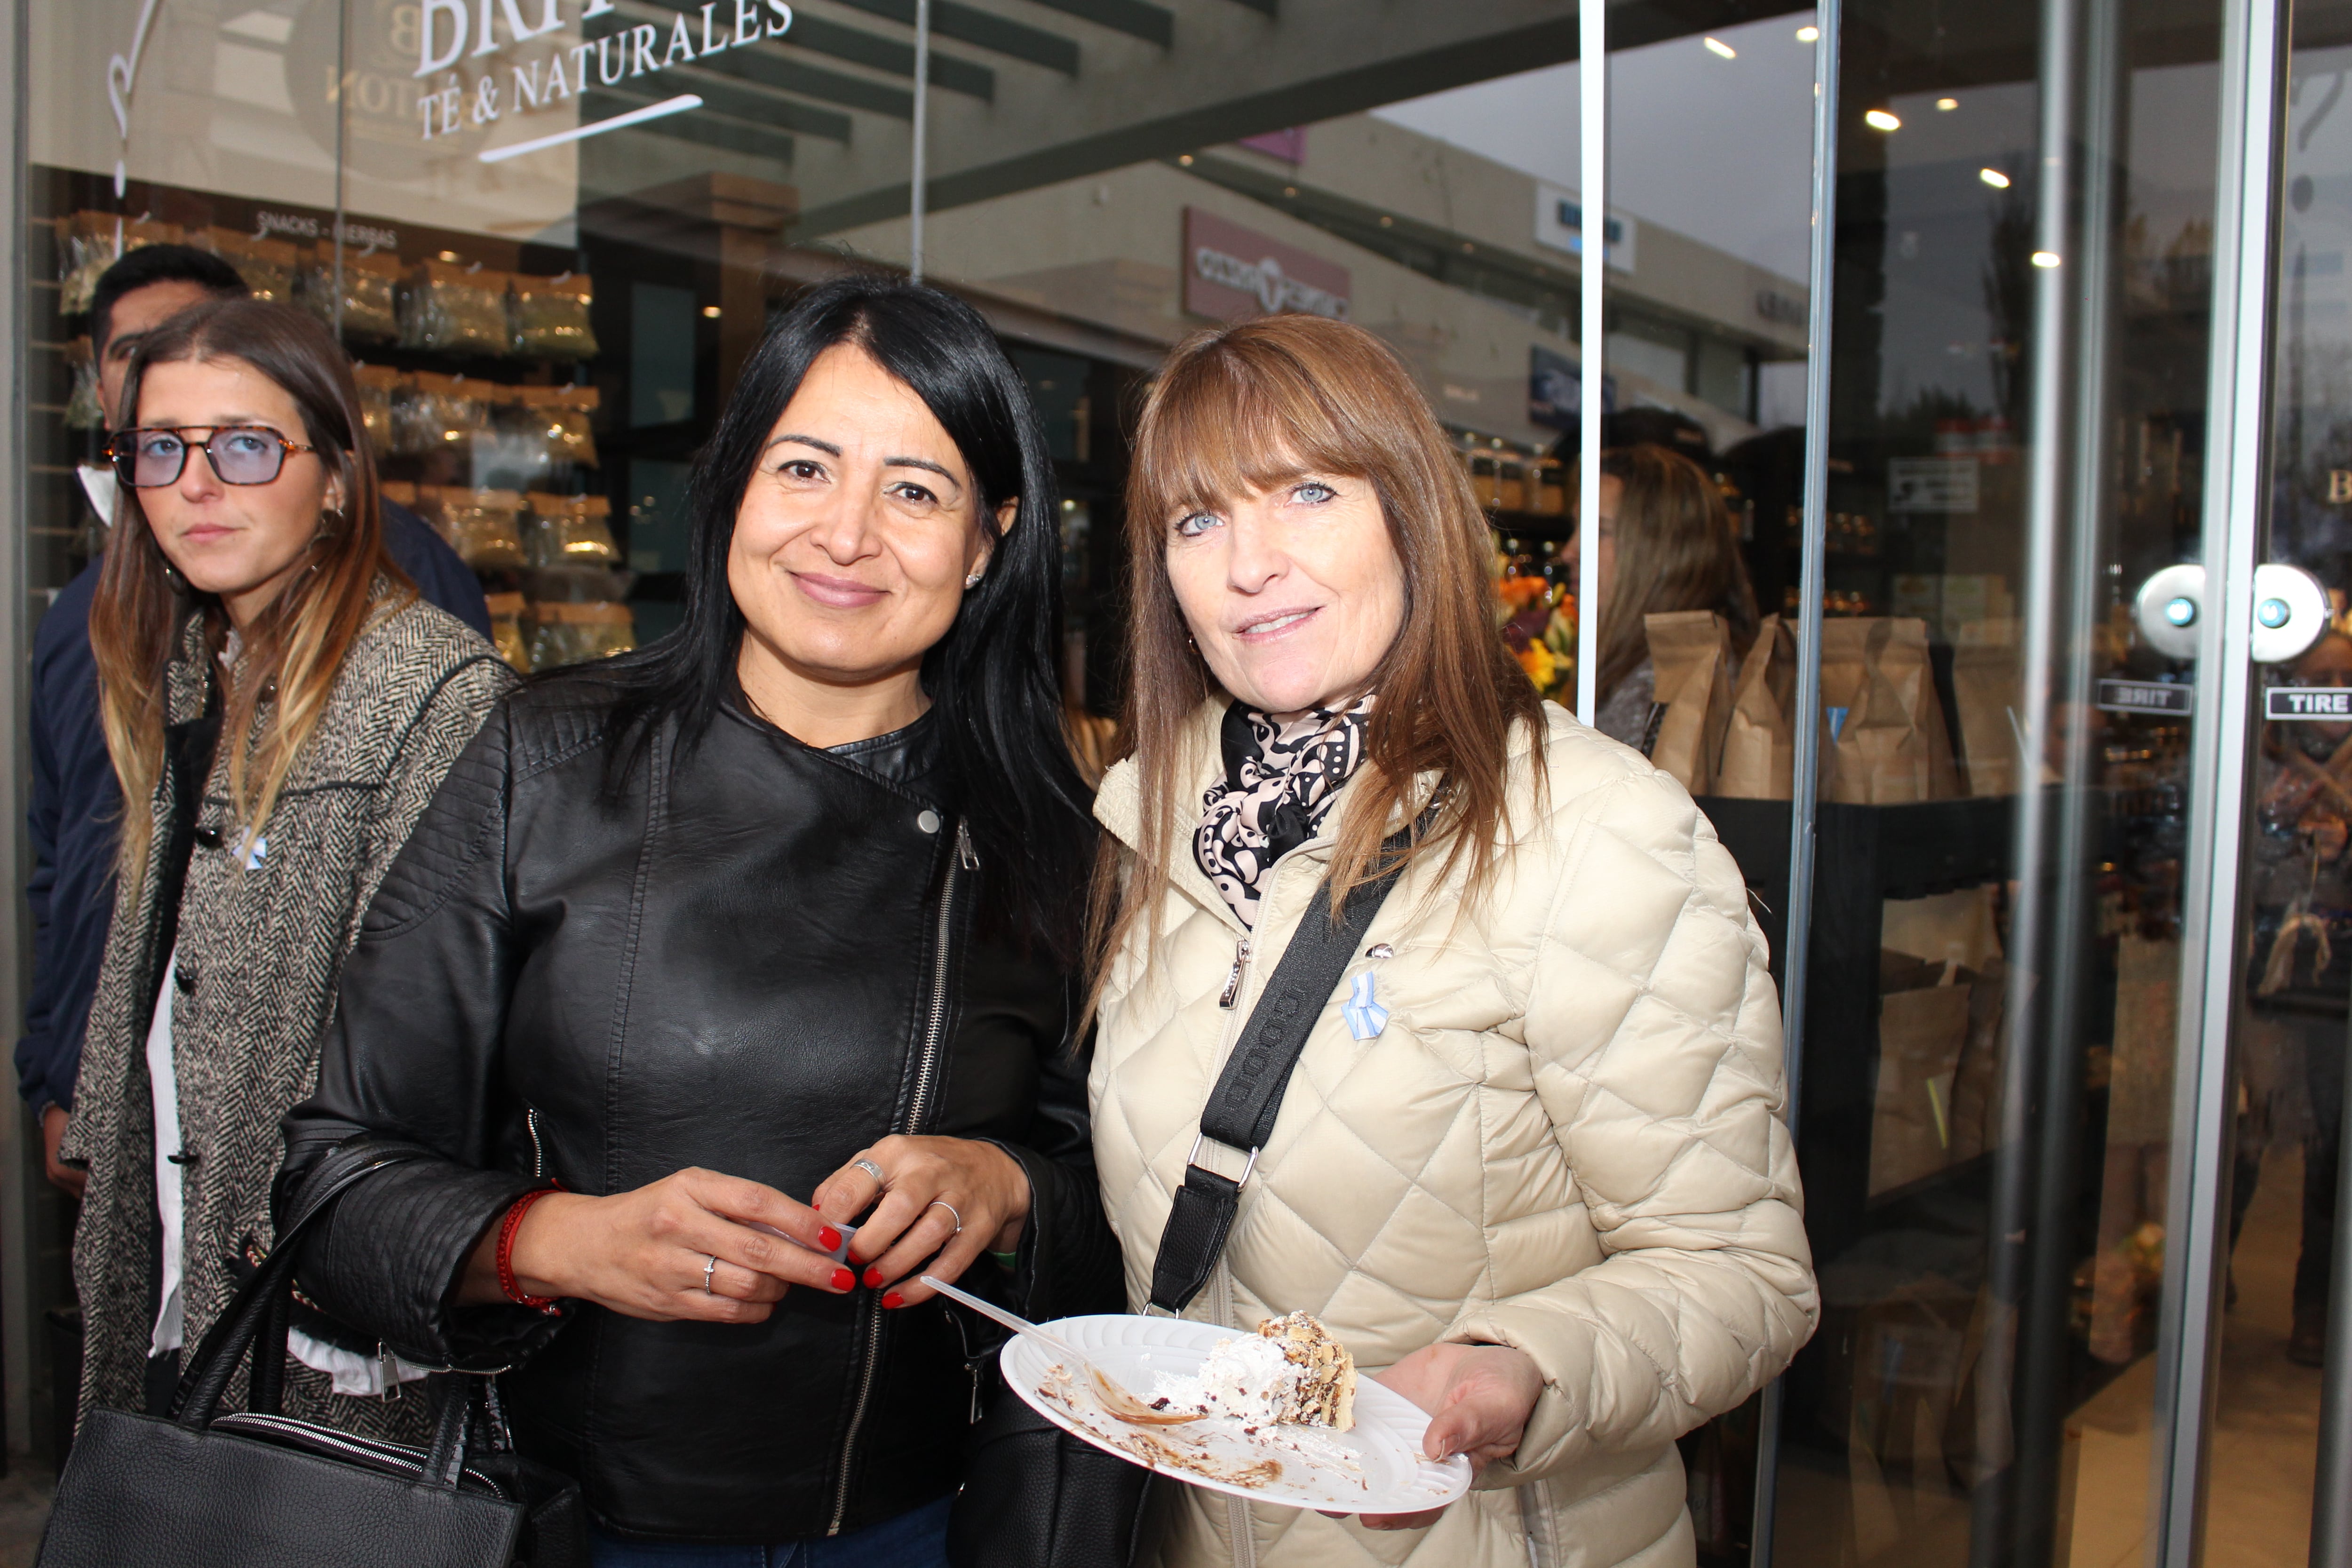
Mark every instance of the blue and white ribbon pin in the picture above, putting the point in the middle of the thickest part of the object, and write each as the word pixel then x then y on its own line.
pixel 1365 1017
pixel 255 851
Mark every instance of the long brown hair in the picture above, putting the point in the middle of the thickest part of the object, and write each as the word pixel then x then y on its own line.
pixel 294 649
pixel 1248 407
pixel 1676 550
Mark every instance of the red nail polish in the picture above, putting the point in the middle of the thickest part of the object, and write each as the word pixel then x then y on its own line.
pixel 843 1279
pixel 894 1300
pixel 874 1276
pixel 830 1237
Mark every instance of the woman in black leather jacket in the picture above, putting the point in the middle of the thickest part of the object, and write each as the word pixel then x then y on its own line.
pixel 782 908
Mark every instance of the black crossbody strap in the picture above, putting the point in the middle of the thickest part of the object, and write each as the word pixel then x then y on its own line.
pixel 1247 1099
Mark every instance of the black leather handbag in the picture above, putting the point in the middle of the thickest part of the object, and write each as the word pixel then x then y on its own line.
pixel 1036 1496
pixel 260 1490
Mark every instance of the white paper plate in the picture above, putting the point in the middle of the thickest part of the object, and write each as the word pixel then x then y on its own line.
pixel 1376 1466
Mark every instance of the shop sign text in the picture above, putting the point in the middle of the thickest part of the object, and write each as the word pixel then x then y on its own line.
pixel 1559 225
pixel 2307 702
pixel 302 226
pixel 1231 271
pixel 2145 697
pixel 1932 484
pixel 451 31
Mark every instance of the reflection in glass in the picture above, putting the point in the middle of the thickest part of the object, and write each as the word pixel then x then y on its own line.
pixel 1988 1130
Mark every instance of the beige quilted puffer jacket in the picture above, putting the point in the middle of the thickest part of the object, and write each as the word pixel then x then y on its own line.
pixel 1565 1140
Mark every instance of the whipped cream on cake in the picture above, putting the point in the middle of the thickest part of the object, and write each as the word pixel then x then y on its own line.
pixel 1291 1372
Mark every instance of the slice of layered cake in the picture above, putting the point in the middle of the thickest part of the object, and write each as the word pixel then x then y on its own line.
pixel 1291 1371
pixel 1324 1391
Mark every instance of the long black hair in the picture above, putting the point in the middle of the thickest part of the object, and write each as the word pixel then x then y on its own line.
pixel 992 680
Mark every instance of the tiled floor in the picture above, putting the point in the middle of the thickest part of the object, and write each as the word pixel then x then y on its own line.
pixel 2265 1437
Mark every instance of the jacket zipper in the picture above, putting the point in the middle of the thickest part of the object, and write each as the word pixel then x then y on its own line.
pixel 927 1071
pixel 1234 980
pixel 1237 1513
pixel 1221 1279
pixel 538 1149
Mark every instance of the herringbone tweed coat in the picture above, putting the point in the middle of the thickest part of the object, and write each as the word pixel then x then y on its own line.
pixel 259 947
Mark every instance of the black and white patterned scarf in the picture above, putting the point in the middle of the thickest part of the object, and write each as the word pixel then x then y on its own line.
pixel 1280 783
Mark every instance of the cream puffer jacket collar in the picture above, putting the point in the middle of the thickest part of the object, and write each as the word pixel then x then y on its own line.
pixel 1566 1140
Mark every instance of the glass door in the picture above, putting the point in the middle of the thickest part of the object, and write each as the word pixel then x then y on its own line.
pixel 2279 1362
pixel 2025 1139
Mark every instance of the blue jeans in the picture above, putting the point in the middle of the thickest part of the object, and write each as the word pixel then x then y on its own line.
pixel 914 1540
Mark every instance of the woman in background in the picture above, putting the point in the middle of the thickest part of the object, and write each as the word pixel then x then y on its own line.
pixel 1666 542
pixel 280 705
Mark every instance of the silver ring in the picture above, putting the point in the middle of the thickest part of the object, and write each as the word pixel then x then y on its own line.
pixel 873 1170
pixel 943 1204
pixel 706 1270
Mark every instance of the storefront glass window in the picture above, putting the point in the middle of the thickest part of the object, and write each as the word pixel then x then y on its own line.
pixel 550 232
pixel 2018 394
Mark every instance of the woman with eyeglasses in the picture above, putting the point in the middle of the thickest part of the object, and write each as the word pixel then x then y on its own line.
pixel 280 705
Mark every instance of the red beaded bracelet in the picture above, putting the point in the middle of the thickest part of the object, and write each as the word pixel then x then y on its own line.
pixel 506 1280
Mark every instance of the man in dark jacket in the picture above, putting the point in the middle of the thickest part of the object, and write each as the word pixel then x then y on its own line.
pixel 76 802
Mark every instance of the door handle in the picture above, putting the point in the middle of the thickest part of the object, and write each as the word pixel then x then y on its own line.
pixel 2291 611
pixel 2167 608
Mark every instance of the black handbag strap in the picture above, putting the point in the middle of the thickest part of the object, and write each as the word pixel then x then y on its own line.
pixel 1247 1099
pixel 258 1313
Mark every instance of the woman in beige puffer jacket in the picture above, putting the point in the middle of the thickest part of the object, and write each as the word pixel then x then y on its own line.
pixel 1564 1143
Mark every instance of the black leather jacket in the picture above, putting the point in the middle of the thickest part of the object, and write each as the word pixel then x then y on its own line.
pixel 759 962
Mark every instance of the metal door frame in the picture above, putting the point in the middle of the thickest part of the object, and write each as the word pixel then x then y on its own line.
pixel 2237 484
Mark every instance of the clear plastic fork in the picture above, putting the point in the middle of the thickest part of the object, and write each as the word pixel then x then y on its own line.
pixel 1113 1394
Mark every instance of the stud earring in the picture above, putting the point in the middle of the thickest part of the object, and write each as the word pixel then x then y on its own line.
pixel 973 581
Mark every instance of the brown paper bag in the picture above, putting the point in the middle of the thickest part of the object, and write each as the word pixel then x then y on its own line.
pixel 1878 695
pixel 1690 651
pixel 1976 1085
pixel 1985 692
pixel 1760 745
pixel 1921 1032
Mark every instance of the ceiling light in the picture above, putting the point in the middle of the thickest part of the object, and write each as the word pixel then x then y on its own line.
pixel 1291 190
pixel 1387 221
pixel 1185 159
pixel 2045 258
pixel 1718 47
pixel 1880 119
pixel 1467 248
pixel 1808 33
pixel 711 312
pixel 1948 104
pixel 1994 177
pixel 451 256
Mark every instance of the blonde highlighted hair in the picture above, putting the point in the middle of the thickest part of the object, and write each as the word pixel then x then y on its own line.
pixel 294 649
pixel 1243 409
